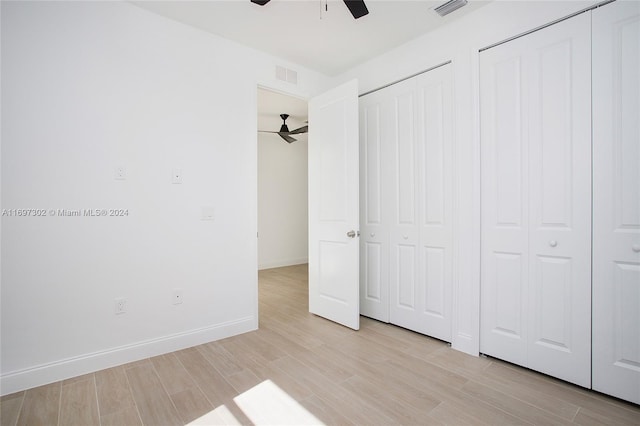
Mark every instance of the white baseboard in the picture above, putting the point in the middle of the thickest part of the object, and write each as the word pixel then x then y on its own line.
pixel 64 369
pixel 281 263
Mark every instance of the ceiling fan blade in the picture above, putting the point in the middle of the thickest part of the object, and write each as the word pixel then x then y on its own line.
pixel 303 129
pixel 287 138
pixel 357 8
pixel 260 2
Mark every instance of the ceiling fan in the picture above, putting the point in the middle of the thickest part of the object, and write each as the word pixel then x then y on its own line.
pixel 284 129
pixel 357 7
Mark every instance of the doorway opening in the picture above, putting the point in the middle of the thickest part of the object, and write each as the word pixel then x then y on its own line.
pixel 283 220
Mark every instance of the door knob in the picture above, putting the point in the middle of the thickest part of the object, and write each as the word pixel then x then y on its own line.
pixel 405 237
pixel 636 248
pixel 351 234
pixel 373 234
pixel 553 243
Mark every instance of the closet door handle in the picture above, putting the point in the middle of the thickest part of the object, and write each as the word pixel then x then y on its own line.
pixel 553 243
pixel 636 248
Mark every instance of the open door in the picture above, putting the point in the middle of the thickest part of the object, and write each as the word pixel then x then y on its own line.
pixel 333 206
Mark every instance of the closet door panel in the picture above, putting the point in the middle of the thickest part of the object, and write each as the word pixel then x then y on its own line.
pixel 504 188
pixel 407 203
pixel 403 147
pixel 435 185
pixel 435 278
pixel 405 277
pixel 374 241
pixel 559 88
pixel 536 154
pixel 616 200
pixel 403 235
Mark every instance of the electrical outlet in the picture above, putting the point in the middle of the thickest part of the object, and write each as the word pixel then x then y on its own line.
pixel 177 296
pixel 120 173
pixel 120 305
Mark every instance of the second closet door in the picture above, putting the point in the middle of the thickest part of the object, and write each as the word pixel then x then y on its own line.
pixel 406 203
pixel 616 200
pixel 536 200
pixel 421 225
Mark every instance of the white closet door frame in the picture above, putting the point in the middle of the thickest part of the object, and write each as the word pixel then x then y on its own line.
pixel 616 200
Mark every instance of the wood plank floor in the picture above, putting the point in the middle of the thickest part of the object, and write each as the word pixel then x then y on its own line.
pixel 301 369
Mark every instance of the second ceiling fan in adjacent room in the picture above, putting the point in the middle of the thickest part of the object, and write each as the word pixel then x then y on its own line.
pixel 284 129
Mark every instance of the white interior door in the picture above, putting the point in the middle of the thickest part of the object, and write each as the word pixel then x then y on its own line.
pixel 536 200
pixel 333 205
pixel 616 200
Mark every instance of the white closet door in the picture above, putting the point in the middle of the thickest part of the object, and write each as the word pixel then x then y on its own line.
pixel 404 232
pixel 536 200
pixel 435 154
pixel 616 200
pixel 560 200
pixel 375 112
pixel 504 195
pixel 406 201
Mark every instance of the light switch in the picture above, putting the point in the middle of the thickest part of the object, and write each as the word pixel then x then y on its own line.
pixel 207 213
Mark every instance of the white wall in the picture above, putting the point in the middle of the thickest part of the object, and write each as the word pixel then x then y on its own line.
pixel 459 42
pixel 283 221
pixel 87 87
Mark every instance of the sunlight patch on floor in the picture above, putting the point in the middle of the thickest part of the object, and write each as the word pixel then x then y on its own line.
pixel 267 404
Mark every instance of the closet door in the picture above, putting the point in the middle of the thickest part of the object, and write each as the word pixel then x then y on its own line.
pixel 404 232
pixel 504 195
pixel 376 112
pixel 616 200
pixel 406 157
pixel 435 187
pixel 536 186
pixel 560 201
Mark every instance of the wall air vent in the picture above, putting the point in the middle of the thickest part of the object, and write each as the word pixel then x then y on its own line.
pixel 285 74
pixel 450 6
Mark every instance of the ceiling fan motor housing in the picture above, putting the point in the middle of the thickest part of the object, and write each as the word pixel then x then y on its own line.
pixel 284 127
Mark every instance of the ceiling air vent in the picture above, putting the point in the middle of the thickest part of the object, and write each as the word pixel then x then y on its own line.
pixel 450 6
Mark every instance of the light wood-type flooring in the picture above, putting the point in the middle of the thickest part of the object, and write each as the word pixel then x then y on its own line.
pixel 301 369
